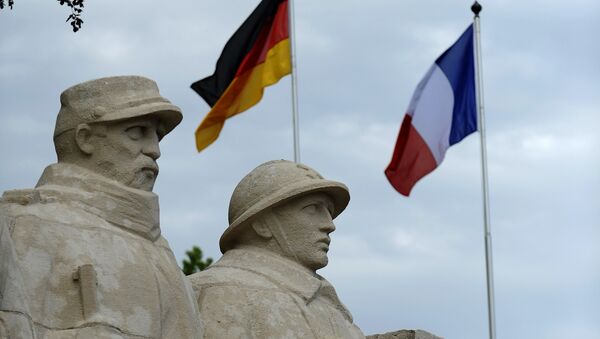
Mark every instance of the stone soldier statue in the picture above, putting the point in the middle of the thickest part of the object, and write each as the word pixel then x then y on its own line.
pixel 86 240
pixel 266 285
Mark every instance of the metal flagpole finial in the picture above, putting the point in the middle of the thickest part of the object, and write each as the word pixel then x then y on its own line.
pixel 476 8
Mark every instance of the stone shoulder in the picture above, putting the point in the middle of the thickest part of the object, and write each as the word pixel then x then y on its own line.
pixel 30 203
pixel 224 276
pixel 28 208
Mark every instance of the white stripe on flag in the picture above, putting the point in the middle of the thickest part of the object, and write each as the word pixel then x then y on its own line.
pixel 431 111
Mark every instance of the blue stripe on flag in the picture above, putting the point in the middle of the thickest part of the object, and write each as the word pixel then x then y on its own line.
pixel 458 65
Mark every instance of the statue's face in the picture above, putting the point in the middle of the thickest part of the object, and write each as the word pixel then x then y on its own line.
pixel 126 151
pixel 306 223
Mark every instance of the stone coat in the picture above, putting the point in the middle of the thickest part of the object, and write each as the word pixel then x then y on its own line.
pixel 93 262
pixel 251 293
pixel 14 311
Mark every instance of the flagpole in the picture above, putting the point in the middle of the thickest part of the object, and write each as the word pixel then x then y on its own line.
pixel 476 8
pixel 295 121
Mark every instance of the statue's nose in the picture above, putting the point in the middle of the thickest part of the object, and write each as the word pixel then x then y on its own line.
pixel 328 226
pixel 152 149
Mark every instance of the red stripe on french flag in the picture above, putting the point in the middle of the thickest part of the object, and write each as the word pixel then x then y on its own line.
pixel 411 160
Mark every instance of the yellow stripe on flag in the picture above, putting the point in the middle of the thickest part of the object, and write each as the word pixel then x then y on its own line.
pixel 245 91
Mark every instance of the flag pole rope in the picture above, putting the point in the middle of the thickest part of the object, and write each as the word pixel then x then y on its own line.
pixel 295 117
pixel 476 8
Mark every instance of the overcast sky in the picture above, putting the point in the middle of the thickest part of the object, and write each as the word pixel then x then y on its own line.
pixel 396 262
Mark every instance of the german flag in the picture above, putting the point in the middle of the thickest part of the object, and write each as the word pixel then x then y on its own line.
pixel 256 56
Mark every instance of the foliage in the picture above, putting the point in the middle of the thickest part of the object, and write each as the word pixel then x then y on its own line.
pixel 194 263
pixel 74 18
pixel 11 3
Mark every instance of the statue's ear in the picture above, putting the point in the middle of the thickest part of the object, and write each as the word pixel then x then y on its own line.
pixel 261 228
pixel 83 134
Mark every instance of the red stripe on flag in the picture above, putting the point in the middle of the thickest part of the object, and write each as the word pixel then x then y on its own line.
pixel 412 159
pixel 272 33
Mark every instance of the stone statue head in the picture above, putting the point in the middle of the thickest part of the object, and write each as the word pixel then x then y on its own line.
pixel 286 208
pixel 112 126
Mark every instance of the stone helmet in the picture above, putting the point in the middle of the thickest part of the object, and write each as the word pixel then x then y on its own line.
pixel 271 184
pixel 115 98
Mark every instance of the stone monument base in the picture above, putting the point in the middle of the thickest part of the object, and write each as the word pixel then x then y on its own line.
pixel 404 334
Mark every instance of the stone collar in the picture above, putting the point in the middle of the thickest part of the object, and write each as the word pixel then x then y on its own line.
pixel 131 209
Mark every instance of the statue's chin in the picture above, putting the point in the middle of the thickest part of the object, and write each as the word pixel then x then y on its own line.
pixel 318 264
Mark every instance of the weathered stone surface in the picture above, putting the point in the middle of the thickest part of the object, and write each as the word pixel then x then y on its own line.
pixel 266 285
pixel 86 241
pixel 14 312
pixel 404 334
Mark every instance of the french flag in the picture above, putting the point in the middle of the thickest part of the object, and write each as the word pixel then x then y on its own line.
pixel 441 113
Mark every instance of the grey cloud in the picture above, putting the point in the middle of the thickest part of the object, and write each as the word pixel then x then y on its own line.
pixel 396 262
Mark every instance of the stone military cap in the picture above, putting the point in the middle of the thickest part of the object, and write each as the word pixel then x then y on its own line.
pixel 115 98
pixel 273 183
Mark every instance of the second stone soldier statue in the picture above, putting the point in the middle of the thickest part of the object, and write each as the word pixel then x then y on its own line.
pixel 266 285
